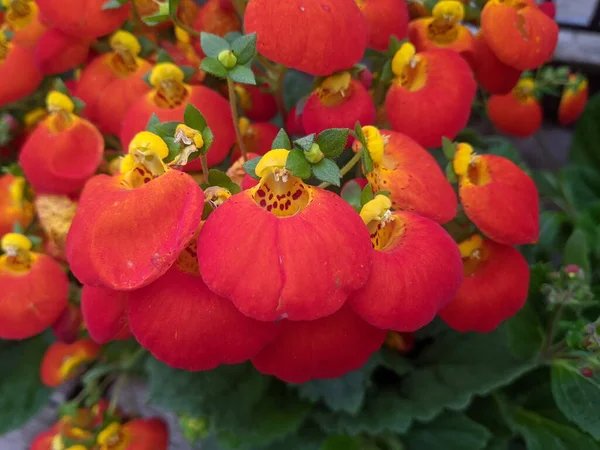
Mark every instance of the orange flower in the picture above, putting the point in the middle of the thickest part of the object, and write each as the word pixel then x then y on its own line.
pixel 443 30
pixel 494 288
pixel 16 59
pixel 498 197
pixel 105 245
pixel 257 137
pixel 112 82
pixel 62 361
pixel 280 234
pixel 431 95
pixel 293 123
pixel 57 52
pixel 491 73
pixel 164 318
pixel 328 35
pixel 104 314
pixel 14 207
pixel 168 101
pixel 519 33
pixel 256 103
pixel 138 434
pixel 324 348
pixel 34 289
pixel 517 113
pixel 410 174
pixel 406 288
pixel 22 19
pixel 63 151
pixel 385 18
pixel 573 100
pixel 83 18
pixel 339 102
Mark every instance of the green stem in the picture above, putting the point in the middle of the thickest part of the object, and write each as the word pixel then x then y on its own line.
pixel 204 163
pixel 114 399
pixel 183 26
pixel 347 168
pixel 235 118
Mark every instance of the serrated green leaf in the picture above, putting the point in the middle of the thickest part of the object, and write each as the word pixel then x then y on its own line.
pixel 173 5
pixel 214 67
pixel 60 86
pixel 297 164
pixel 244 48
pixel 250 167
pixel 351 194
pixel 208 138
pixel 577 250
pixel 112 4
pixel 155 19
pixel 449 148
pixel 22 394
pixel 327 170
pixel 79 104
pixel 333 141
pixel 449 431
pixel 450 174
pixel 174 148
pixel 577 396
pixel 212 44
pixel 166 129
pixel 193 118
pixel 242 74
pixel 148 47
pixel 232 36
pixel 188 72
pixel 163 57
pixel 306 142
pixel 218 178
pixel 366 195
pixel 281 141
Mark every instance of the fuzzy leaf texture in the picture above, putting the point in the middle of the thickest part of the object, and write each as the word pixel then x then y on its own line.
pixel 212 44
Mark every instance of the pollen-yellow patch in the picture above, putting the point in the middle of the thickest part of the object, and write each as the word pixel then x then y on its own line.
pixel 57 101
pixel 337 83
pixel 166 72
pixel 111 436
pixel 244 125
pixel 125 41
pixel 57 443
pixel 274 159
pixel 72 362
pixel 77 447
pixel 451 11
pixel 471 245
pixel 462 159
pixel 15 242
pixel 375 209
pixel 181 35
pixel 35 116
pixel 147 142
pixel 244 97
pixel 403 58
pixel 375 143
pixel 189 135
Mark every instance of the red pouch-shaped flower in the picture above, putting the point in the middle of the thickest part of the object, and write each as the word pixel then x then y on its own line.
pixel 491 73
pixel 62 361
pixel 14 207
pixel 574 99
pixel 104 313
pixel 15 59
pixel 385 18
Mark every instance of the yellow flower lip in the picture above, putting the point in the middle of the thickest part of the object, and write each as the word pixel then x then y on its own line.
pixel 125 41
pixel 406 56
pixel 274 159
pixel 166 72
pixel 375 143
pixel 470 247
pixel 146 142
pixel 337 83
pixel 14 243
pixel 57 101
pixel 109 436
pixel 450 11
pixel 462 159
pixel 377 209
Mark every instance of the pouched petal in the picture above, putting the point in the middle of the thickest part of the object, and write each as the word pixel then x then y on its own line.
pixel 104 313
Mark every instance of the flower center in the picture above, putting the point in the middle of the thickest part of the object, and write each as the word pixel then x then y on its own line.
pixel 170 90
pixel 19 13
pixel 444 27
pixel 384 227
pixel 144 161
pixel 524 91
pixel 17 257
pixel 124 61
pixel 60 108
pixel 473 253
pixel 470 167
pixel 279 192
pixel 410 69
pixel 336 89
pixel 112 438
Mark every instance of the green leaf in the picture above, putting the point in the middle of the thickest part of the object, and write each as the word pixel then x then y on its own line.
pixel 163 57
pixel 113 4
pixel 59 85
pixel 296 85
pixel 449 148
pixel 577 396
pixel 333 141
pixel 156 19
pixel 586 139
pixel 250 167
pixel 351 194
pixel 148 47
pixel 450 174
pixel 22 394
pixel 366 195
pixel 341 443
pixel 526 333
pixel 193 118
pixel 188 72
pixel 79 104
pixel 173 5
pixel 297 164
pixel 174 148
pixel 577 250
pixel 152 123
pixel 306 142
pixel 244 48
pixel 232 36
pixel 208 138
pixel 214 67
pixel 449 431
pixel 550 227
pixel 212 44
pixel 328 171
pixel 218 178
pixel 281 141
pixel 242 74
pixel 166 129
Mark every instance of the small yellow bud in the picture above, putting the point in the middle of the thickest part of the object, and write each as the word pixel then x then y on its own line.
pixel 188 136
pixel 314 155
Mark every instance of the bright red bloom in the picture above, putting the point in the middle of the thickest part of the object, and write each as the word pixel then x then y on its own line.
pixel 43 441
pixel 336 28
pixel 62 361
pixel 573 100
pixel 105 245
pixel 324 348
pixel 517 113
pixel 339 102
pixel 112 82
pixel 104 313
pixel 293 123
pixel 494 288
pixel 498 197
pixel 437 85
pixel 410 174
pixel 385 18
pixel 282 234
pixel 34 289
pixel 16 59
pixel 519 33
pixel 23 20
pixel 549 8
pixel 168 101
pixel 406 288
pixel 257 104
pixel 491 73
pixel 138 434
pixel 217 17
pixel 257 137
pixel 14 207
pixel 83 18
pixel 63 151
pixel 67 327
pixel 187 326
pixel 57 52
